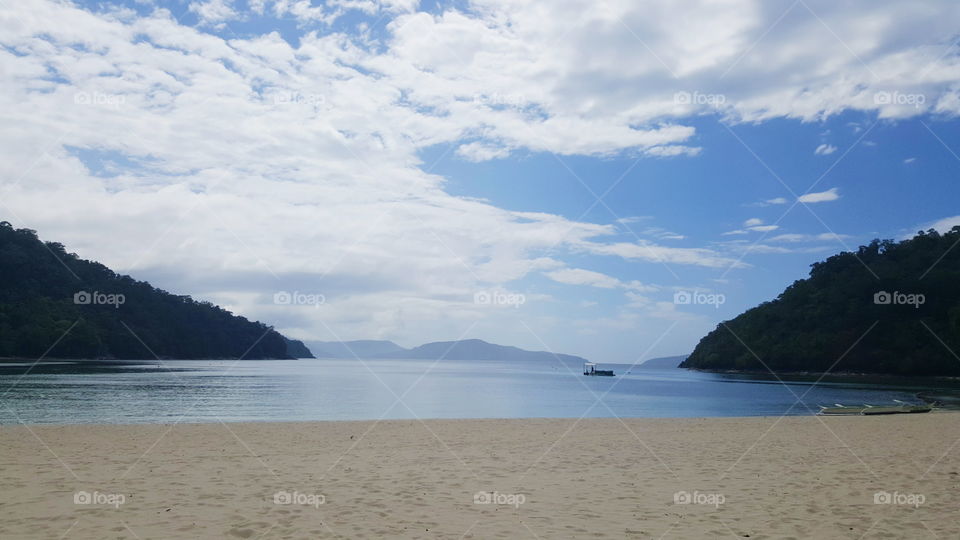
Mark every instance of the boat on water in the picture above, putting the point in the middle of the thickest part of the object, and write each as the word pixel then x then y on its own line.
pixel 591 369
pixel 870 410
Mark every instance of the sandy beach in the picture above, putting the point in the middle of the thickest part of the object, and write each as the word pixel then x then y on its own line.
pixel 798 477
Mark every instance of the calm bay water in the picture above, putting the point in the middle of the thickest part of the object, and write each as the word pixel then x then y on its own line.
pixel 253 390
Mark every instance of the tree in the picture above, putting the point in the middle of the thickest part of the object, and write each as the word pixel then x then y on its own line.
pixel 40 316
pixel 907 321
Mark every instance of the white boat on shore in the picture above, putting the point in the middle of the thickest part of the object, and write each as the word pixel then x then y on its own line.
pixel 870 410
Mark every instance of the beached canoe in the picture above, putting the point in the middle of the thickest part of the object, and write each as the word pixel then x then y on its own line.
pixel 869 410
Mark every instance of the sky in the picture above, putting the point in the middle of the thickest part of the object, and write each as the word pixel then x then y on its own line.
pixel 609 179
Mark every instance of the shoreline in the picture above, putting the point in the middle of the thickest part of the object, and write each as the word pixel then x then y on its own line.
pixel 800 477
pixel 825 375
pixel 936 411
pixel 103 361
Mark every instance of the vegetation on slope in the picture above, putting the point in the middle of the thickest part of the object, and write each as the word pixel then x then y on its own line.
pixel 55 305
pixel 891 307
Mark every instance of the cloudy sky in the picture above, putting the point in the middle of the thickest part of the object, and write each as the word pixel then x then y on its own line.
pixel 609 179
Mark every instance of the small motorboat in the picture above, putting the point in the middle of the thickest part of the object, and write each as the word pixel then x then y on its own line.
pixel 591 369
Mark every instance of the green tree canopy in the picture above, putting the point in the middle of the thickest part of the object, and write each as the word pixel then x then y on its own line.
pixel 815 324
pixel 40 316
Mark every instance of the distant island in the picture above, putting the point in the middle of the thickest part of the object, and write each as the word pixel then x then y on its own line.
pixel 54 304
pixel 364 348
pixel 890 308
pixel 662 362
pixel 467 349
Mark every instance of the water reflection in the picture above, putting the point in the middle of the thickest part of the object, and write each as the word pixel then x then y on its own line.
pixel 253 390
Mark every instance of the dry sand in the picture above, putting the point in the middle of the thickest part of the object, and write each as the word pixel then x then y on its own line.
pixel 759 477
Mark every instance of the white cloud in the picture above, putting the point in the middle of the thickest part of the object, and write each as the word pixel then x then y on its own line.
pixel 592 94
pixel 277 166
pixel 661 233
pixel 214 12
pixel 306 12
pixel 941 225
pixel 477 151
pixel 579 276
pixel 822 196
pixel 825 150
pixel 788 238
pixel 646 251
pixel 794 237
pixel 672 150
pixel 768 202
pixel 909 160
pixel 765 249
pixel 752 224
pixel 633 219
pixel 743 248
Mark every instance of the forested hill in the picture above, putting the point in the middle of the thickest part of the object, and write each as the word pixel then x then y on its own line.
pixel 815 324
pixel 55 305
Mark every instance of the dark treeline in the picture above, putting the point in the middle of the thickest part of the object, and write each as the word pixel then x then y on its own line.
pixel 41 298
pixel 816 321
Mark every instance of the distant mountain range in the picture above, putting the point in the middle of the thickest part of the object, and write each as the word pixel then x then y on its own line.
pixel 662 362
pixel 364 348
pixel 468 349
